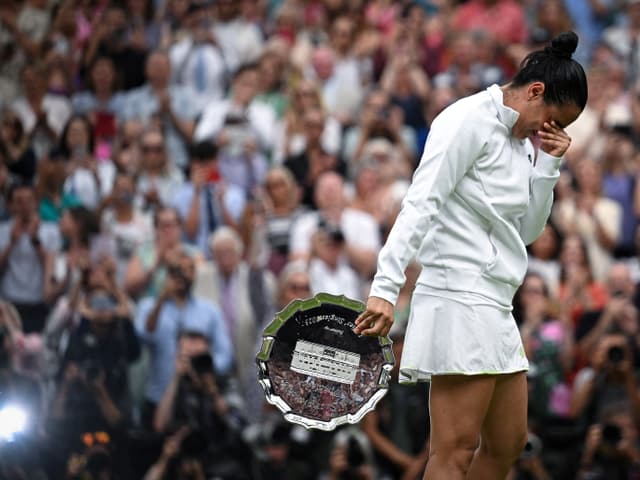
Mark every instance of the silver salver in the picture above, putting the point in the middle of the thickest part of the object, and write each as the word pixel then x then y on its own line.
pixel 316 370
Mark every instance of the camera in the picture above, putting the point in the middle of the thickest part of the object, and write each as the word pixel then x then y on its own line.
pixel 202 363
pixel 334 232
pixel 615 354
pixel 532 448
pixel 611 434
pixel 90 369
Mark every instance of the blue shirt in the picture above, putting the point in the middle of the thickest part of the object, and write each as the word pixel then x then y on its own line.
pixel 142 104
pixel 234 202
pixel 196 316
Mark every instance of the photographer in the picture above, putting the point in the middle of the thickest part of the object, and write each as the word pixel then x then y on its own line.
pixel 530 466
pixel 351 457
pixel 93 394
pixel 610 379
pixel 160 321
pixel 195 398
pixel 611 450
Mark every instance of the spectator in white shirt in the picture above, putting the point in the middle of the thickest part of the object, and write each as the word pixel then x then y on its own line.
pixel 360 230
pixel 196 59
pixel 42 114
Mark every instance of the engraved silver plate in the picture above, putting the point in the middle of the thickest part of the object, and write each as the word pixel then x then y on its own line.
pixel 316 370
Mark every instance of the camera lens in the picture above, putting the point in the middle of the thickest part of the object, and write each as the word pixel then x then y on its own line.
pixel 615 354
pixel 611 434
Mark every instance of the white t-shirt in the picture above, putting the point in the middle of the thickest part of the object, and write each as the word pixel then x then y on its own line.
pixel 359 229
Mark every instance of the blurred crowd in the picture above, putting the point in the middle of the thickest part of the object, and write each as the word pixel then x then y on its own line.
pixel 174 172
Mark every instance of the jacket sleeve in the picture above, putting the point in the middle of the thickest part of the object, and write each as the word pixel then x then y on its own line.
pixel 454 142
pixel 544 177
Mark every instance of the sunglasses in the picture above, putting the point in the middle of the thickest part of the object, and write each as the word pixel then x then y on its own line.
pixel 153 148
pixel 299 287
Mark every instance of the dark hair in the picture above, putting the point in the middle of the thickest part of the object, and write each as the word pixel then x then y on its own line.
pixel 19 185
pixel 162 209
pixel 63 146
pixel 564 78
pixel 244 68
pixel 88 223
pixel 202 151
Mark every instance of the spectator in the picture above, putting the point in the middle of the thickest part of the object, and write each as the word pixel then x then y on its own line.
pixel 398 440
pixel 543 257
pixel 328 269
pixel 350 457
pixel 88 179
pixel 52 174
pixel 207 201
pixel 196 59
pixel 109 38
pixel 409 87
pixel 15 149
pixel 23 27
pixel 147 269
pixel 595 218
pixel 611 449
pixel 619 184
pixel 173 106
pixel 280 207
pixel 102 94
pixel 126 224
pixel 578 292
pixel 620 313
pixel 622 40
pixel 159 322
pixel 199 400
pixel 466 73
pixel 360 230
pixel 313 160
pixel 609 380
pixel 240 40
pixel 293 136
pixel 242 128
pixel 245 294
pixel 293 283
pixel 27 248
pixel 42 114
pixel 548 343
pixel 93 392
pixel 159 179
pixel 79 228
pixel 378 119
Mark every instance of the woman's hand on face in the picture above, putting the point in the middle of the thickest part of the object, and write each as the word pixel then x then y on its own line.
pixel 377 318
pixel 554 140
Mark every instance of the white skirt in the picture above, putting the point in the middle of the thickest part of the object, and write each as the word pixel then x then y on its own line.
pixel 459 337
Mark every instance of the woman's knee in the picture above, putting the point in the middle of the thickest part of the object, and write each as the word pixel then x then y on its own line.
pixel 457 454
pixel 504 450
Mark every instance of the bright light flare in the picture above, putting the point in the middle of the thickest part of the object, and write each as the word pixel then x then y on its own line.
pixel 13 420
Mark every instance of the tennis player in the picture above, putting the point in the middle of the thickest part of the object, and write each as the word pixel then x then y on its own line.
pixel 480 194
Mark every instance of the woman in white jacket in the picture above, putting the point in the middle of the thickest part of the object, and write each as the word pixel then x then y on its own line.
pixel 480 194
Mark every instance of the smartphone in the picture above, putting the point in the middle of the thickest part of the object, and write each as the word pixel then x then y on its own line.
pixel 105 125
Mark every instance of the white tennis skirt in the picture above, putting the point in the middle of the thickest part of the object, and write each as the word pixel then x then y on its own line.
pixel 459 337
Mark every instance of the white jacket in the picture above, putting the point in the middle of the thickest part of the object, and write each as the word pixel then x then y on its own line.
pixel 475 201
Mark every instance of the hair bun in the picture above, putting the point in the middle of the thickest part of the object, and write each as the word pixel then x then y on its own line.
pixel 563 45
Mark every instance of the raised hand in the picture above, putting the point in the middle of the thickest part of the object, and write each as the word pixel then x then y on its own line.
pixel 554 140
